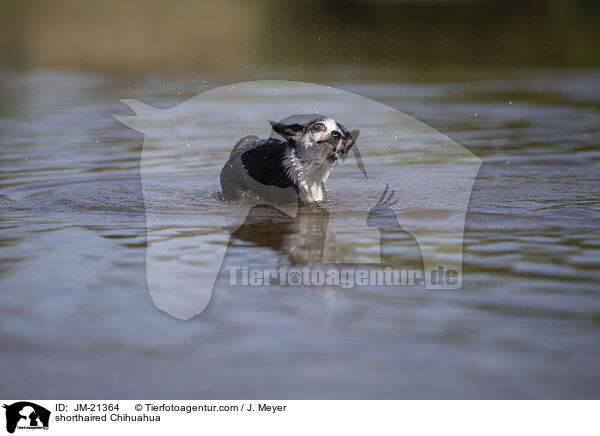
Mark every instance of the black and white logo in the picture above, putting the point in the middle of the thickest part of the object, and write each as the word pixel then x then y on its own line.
pixel 26 415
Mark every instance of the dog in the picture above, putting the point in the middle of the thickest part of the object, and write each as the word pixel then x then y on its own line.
pixel 299 163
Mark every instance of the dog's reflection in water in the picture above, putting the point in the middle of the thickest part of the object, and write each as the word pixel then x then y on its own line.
pixel 269 239
pixel 302 238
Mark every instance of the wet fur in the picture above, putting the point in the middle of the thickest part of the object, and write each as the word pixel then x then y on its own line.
pixel 302 160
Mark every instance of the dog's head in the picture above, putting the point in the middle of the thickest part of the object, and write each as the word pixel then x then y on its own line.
pixel 321 139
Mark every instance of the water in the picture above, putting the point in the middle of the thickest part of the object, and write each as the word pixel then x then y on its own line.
pixel 77 320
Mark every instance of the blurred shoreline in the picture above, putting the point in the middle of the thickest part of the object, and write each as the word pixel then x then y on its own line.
pixel 233 35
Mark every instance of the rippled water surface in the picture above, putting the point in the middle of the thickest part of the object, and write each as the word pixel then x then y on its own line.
pixel 77 319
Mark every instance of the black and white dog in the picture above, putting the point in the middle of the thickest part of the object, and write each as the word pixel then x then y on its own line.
pixel 301 161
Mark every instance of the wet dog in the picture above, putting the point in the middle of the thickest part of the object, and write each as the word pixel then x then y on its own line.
pixel 301 161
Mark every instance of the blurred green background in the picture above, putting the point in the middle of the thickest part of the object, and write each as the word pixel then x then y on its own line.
pixel 233 35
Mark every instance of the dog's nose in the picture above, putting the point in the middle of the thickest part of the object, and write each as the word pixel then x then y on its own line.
pixel 336 134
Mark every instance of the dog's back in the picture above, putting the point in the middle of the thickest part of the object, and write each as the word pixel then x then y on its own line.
pixel 242 142
pixel 255 166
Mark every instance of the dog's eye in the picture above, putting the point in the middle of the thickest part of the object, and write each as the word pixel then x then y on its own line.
pixel 319 127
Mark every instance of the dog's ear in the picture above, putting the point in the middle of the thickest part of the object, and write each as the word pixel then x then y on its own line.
pixel 291 132
pixel 350 139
